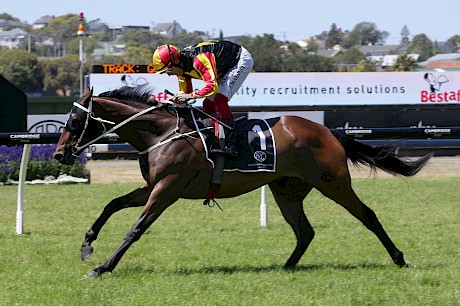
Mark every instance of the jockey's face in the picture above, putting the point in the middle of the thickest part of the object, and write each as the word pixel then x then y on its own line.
pixel 175 69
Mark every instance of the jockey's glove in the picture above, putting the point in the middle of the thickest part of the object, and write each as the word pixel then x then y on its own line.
pixel 182 98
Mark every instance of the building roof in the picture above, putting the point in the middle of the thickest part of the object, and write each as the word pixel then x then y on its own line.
pixel 13 33
pixel 370 50
pixel 44 20
pixel 390 60
pixel 167 28
pixel 163 27
pixel 443 64
pixel 5 23
pixel 444 57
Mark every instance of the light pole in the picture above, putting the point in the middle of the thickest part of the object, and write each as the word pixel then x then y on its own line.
pixel 81 33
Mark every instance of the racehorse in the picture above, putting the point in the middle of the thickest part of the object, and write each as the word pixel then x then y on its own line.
pixel 172 162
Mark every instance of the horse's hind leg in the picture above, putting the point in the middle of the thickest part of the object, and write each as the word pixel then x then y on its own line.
pixel 340 191
pixel 135 198
pixel 289 194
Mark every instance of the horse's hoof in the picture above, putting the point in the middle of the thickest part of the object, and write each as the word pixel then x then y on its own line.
pixel 92 274
pixel 409 265
pixel 86 252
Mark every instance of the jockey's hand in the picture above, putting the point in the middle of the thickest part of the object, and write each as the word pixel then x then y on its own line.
pixel 182 98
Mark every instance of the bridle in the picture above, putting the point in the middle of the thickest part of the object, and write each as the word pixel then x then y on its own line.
pixel 89 115
pixel 78 148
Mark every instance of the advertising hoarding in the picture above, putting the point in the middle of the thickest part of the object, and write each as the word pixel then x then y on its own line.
pixel 308 89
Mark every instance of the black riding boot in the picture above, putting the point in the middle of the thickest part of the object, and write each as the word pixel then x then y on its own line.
pixel 231 149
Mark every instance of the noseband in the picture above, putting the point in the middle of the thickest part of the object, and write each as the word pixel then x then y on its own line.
pixel 89 115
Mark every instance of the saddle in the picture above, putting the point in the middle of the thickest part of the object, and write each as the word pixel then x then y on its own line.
pixel 256 145
pixel 255 140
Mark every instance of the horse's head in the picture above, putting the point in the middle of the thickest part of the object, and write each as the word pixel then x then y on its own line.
pixel 79 129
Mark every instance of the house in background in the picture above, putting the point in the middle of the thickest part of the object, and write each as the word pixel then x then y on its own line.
pixel 6 23
pixel 449 61
pixel 390 59
pixel 42 22
pixel 168 29
pixel 95 26
pixel 109 49
pixel 12 38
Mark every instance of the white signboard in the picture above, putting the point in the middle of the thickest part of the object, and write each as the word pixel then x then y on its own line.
pixel 304 89
pixel 46 123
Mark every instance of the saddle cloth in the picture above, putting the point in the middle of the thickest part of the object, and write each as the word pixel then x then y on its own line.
pixel 256 141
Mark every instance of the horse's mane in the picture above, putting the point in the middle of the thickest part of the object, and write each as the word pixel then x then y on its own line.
pixel 141 93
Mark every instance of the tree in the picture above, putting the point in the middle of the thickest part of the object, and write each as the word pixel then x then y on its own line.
pixel 221 35
pixel 62 74
pixel 22 69
pixel 140 38
pixel 365 33
pixel 60 30
pixel 89 44
pixel 334 37
pixel 404 63
pixel 184 39
pixel 297 59
pixel 436 48
pixel 266 52
pixel 421 45
pixel 321 36
pixel 364 66
pixel 454 43
pixel 350 56
pixel 138 55
pixel 7 16
pixel 405 41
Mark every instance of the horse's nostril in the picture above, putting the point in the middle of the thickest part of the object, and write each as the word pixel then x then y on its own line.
pixel 58 156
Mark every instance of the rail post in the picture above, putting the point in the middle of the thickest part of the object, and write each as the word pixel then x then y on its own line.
pixel 263 206
pixel 21 187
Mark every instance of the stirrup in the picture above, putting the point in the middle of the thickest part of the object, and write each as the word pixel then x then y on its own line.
pixel 228 151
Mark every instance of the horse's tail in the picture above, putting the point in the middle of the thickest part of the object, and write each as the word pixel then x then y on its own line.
pixel 380 157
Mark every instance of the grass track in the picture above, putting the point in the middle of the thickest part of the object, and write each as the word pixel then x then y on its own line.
pixel 194 255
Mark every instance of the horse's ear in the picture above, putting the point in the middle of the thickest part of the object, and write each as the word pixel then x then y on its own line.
pixel 89 90
pixel 86 96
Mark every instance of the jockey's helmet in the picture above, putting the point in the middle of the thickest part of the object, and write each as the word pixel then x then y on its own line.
pixel 164 57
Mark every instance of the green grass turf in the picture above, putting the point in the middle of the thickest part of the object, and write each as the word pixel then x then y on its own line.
pixel 195 255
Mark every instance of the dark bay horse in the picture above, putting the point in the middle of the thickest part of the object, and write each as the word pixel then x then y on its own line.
pixel 173 165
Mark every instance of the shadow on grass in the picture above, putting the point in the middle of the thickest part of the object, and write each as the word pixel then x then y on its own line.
pixel 253 269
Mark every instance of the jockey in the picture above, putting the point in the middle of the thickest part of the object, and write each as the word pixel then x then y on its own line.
pixel 222 65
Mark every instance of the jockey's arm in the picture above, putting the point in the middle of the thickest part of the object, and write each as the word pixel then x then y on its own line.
pixel 206 71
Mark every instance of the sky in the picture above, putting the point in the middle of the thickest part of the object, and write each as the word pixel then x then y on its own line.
pixel 287 19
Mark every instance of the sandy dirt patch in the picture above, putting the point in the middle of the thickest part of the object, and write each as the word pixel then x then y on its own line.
pixel 110 171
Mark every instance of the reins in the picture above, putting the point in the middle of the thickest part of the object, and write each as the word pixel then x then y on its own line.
pixel 88 110
pixel 77 148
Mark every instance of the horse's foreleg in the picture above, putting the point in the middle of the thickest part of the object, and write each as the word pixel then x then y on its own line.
pixel 135 198
pixel 160 198
pixel 289 194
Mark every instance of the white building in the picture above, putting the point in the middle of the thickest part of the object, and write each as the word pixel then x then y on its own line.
pixel 12 38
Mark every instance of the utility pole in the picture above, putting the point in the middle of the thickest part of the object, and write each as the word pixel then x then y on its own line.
pixel 81 33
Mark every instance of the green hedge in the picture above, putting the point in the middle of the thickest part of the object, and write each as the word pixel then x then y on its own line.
pixel 41 163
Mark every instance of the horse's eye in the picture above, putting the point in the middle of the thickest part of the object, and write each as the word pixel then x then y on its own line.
pixel 74 123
